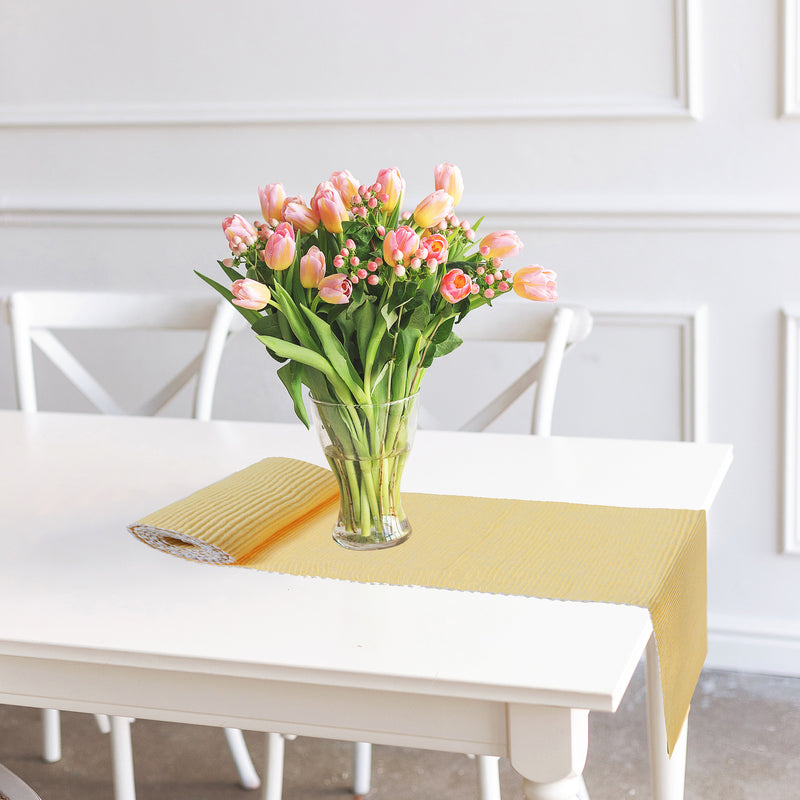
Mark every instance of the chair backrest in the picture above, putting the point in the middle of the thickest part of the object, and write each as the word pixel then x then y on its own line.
pixel 14 788
pixel 558 327
pixel 34 315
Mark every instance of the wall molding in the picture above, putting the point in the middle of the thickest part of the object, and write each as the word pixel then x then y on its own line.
pixel 524 211
pixel 684 104
pixel 692 328
pixel 790 94
pixel 743 644
pixel 791 431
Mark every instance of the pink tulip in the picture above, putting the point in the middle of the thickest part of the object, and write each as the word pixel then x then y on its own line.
pixel 436 245
pixel 500 244
pixel 456 285
pixel 433 209
pixel 448 177
pixel 402 242
pixel 272 198
pixel 335 289
pixel 312 268
pixel 280 247
pixel 250 294
pixel 300 215
pixel 535 283
pixel 392 185
pixel 239 232
pixel 327 203
pixel 346 185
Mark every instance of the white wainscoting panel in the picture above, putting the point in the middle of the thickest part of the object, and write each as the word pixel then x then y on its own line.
pixel 536 60
pixel 790 94
pixel 791 430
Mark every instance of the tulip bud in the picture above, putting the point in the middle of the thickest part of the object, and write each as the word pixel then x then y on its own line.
pixel 280 247
pixel 392 185
pixel 448 177
pixel 328 204
pixel 500 244
pixel 272 198
pixel 433 209
pixel 239 232
pixel 346 185
pixel 300 215
pixel 535 283
pixel 250 294
pixel 335 289
pixel 400 245
pixel 455 286
pixel 312 268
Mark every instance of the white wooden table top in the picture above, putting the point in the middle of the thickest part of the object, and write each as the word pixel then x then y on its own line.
pixel 78 587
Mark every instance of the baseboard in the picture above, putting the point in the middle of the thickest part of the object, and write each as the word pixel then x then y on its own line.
pixel 762 646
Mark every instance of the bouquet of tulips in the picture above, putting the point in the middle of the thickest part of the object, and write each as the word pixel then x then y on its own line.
pixel 357 299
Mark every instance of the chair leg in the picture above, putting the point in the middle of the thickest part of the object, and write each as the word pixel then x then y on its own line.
pixel 362 769
pixel 273 775
pixel 122 758
pixel 51 735
pixel 248 777
pixel 488 777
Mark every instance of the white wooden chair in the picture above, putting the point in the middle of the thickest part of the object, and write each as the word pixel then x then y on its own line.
pixel 14 788
pixel 557 327
pixel 33 316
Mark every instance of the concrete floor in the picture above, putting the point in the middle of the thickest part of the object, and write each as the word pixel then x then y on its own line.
pixel 744 744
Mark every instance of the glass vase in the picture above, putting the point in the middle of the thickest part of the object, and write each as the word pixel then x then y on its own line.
pixel 366 447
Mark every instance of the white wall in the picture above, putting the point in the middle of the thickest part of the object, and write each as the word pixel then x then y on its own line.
pixel 649 152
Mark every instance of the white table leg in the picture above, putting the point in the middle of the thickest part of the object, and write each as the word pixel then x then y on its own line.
pixel 547 746
pixel 273 771
pixel 488 777
pixel 122 758
pixel 667 774
pixel 362 769
pixel 51 735
pixel 248 777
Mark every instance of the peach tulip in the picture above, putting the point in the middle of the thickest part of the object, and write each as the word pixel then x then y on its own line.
pixel 312 268
pixel 436 245
pixel 456 285
pixel 448 177
pixel 346 185
pixel 433 209
pixel 250 294
pixel 272 198
pixel 239 232
pixel 327 203
pixel 400 245
pixel 535 283
pixel 335 289
pixel 392 186
pixel 280 247
pixel 500 244
pixel 300 215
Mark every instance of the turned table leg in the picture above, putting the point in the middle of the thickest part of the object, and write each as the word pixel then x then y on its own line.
pixel 547 746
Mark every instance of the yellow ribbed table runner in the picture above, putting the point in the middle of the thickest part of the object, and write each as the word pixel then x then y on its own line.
pixel 277 515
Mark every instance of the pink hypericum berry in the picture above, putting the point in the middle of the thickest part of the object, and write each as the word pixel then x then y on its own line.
pixel 355 200
pixel 373 280
pixel 488 293
pixel 376 188
pixel 344 252
pixel 372 266
pixel 415 263
pixel 497 262
pixel 464 225
pixel 354 279
pixel 362 212
pixel 442 226
pixel 397 255
pixel 484 251
pixel 498 275
pixel 381 230
pixel 475 288
pixel 399 270
pixel 489 279
pixel 507 274
pixel 354 262
pixel 432 263
pixel 454 220
pixel 350 244
pixel 372 202
pixel 384 198
pixel 363 190
pixel 470 235
pixel 503 286
pixel 405 215
pixel 362 273
pixel 480 270
pixel 338 262
pixel 422 253
pixel 379 261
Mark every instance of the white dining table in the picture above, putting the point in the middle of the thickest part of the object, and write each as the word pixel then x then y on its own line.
pixel 95 621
